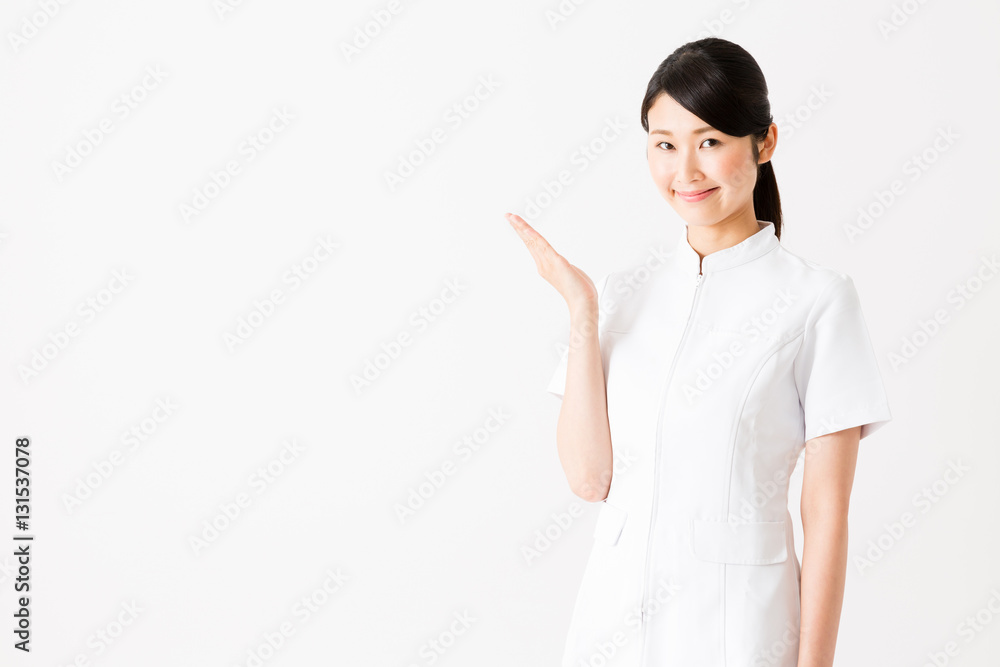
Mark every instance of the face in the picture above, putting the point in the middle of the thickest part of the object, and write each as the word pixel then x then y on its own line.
pixel 706 176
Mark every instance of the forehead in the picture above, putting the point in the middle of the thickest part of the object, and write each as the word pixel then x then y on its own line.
pixel 666 114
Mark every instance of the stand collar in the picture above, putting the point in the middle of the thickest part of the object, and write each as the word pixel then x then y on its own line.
pixel 746 250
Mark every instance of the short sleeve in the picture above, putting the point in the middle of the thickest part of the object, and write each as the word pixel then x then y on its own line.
pixel 836 371
pixel 557 383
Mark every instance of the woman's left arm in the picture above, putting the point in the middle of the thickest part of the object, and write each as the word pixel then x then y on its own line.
pixel 827 478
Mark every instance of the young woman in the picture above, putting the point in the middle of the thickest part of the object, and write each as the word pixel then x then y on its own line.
pixel 712 371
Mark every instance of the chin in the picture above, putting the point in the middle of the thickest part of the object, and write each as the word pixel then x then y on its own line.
pixel 694 217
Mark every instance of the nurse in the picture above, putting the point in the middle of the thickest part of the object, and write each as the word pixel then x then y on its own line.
pixel 711 370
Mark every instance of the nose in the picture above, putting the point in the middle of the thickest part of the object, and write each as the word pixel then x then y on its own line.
pixel 688 170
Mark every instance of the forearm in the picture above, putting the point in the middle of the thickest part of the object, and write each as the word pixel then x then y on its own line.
pixel 824 572
pixel 583 435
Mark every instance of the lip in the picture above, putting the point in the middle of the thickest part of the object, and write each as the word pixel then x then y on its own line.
pixel 697 195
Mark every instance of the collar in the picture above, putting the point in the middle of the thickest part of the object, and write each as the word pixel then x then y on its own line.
pixel 746 250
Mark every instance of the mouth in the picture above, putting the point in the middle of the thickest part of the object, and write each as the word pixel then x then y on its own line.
pixel 695 195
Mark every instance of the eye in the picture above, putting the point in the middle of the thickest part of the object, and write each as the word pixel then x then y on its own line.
pixel 669 146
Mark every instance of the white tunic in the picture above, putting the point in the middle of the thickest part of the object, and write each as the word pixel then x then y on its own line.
pixel 715 381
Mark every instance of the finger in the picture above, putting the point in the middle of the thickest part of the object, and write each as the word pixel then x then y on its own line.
pixel 540 250
pixel 531 238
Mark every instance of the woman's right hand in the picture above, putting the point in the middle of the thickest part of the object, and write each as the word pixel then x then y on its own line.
pixel 574 285
pixel 583 433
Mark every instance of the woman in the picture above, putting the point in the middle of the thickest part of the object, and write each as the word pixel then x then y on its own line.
pixel 712 370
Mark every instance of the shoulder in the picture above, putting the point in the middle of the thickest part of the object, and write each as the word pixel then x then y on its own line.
pixel 802 268
pixel 827 290
pixel 625 292
pixel 817 278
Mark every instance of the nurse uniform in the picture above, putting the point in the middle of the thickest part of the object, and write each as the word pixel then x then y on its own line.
pixel 715 381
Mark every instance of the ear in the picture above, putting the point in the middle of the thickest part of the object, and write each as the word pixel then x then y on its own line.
pixel 769 143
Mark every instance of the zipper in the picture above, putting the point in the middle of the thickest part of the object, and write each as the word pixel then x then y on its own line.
pixel 656 466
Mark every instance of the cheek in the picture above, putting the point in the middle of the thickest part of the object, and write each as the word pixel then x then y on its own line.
pixel 740 171
pixel 660 171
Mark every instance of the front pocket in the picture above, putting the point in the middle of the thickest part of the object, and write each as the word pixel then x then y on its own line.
pixel 610 521
pixel 741 543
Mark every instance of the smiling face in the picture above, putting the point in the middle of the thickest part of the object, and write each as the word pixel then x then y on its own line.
pixel 705 175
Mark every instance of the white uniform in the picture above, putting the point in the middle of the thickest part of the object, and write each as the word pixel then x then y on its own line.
pixel 715 381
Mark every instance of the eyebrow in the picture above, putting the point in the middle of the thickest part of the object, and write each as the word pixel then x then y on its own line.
pixel 700 130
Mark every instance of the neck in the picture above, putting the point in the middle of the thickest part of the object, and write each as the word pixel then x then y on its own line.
pixel 706 239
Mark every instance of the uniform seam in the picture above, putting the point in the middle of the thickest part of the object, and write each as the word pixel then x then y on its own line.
pixel 819 297
pixel 739 415
pixel 732 457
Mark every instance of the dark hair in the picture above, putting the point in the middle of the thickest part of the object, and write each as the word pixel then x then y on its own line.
pixel 720 83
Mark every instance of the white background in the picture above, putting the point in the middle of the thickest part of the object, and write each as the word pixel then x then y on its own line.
pixel 334 506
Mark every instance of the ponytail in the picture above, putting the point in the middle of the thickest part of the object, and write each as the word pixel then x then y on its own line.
pixel 766 202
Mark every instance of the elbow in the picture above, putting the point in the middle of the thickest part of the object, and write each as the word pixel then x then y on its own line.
pixel 593 489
